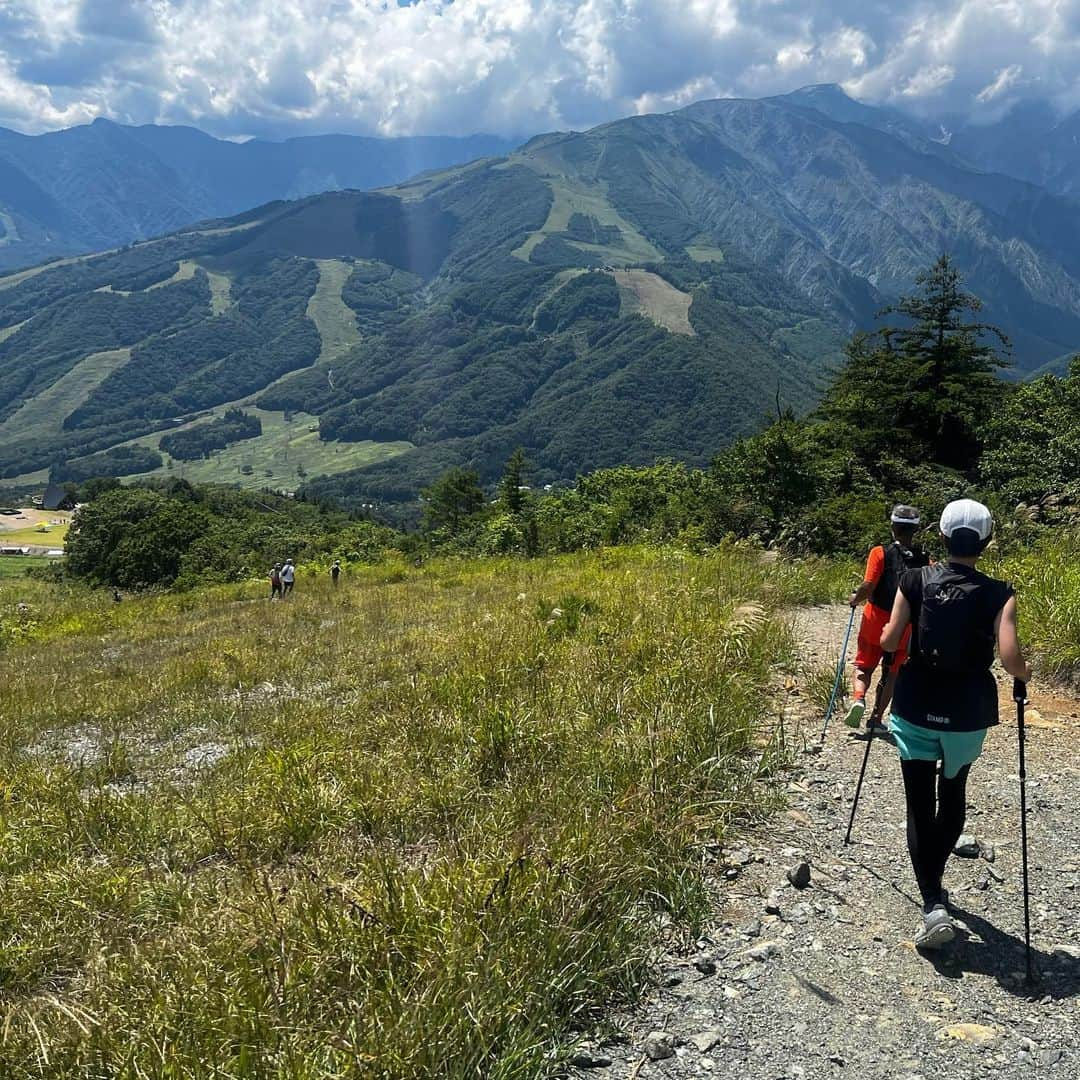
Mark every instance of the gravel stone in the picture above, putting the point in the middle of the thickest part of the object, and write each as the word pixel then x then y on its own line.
pixel 967 847
pixel 705 964
pixel 799 875
pixel 659 1045
pixel 706 1040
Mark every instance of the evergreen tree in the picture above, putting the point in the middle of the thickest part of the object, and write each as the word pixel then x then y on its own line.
pixel 513 480
pixel 452 500
pixel 923 389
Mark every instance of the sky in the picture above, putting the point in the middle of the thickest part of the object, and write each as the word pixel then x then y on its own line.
pixel 275 68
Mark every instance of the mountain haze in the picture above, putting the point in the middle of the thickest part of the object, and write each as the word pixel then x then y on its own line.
pixel 652 286
pixel 104 184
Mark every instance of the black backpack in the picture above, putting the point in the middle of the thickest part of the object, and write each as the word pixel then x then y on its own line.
pixel 954 631
pixel 898 559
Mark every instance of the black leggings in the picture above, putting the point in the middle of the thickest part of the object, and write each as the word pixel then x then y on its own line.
pixel 935 820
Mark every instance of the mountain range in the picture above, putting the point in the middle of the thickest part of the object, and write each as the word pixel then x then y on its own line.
pixel 653 286
pixel 104 184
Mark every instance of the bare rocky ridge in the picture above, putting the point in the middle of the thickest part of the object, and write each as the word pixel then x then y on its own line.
pixel 824 981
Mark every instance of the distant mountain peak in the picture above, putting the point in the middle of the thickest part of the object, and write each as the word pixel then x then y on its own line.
pixel 823 92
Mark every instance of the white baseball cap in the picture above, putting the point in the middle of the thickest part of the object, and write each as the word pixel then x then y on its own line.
pixel 967 514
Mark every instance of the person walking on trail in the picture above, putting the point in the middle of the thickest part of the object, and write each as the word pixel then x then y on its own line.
pixel 335 571
pixel 288 577
pixel 884 566
pixel 275 581
pixel 946 697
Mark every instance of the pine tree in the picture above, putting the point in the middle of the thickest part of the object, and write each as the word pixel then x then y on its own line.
pixel 924 388
pixel 512 482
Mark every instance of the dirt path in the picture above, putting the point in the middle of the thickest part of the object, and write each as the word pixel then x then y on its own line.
pixel 832 985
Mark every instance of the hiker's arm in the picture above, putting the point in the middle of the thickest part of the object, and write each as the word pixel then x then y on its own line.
pixel 1012 659
pixel 897 624
pixel 875 565
pixel 861 594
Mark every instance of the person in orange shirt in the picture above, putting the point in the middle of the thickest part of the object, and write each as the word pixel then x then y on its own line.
pixel 884 566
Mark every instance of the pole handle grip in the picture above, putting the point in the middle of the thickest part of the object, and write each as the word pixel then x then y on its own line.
pixel 1020 691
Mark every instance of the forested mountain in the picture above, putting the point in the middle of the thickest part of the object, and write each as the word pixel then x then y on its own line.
pixel 653 286
pixel 103 184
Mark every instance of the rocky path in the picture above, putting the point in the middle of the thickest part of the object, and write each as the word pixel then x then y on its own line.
pixel 823 981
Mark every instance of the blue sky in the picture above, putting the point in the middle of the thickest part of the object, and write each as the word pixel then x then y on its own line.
pixel 284 67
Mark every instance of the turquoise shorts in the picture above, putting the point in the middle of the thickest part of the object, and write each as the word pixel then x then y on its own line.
pixel 954 748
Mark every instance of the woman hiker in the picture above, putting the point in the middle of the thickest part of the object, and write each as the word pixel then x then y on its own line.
pixel 946 696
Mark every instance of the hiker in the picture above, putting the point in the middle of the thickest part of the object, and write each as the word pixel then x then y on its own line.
pixel 275 581
pixel 946 696
pixel 884 566
pixel 335 571
pixel 288 577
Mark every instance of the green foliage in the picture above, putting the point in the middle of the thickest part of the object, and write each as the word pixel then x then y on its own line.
pixel 379 294
pixel 265 335
pixel 587 296
pixel 133 537
pixel 931 380
pixel 69 330
pixel 202 440
pixel 175 534
pixel 1032 440
pixel 452 500
pixel 512 483
pixel 119 461
pixel 586 229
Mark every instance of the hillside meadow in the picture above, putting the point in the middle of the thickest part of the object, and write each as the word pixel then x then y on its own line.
pixel 426 824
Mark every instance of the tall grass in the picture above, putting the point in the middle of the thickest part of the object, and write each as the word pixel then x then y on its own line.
pixel 422 825
pixel 1047 581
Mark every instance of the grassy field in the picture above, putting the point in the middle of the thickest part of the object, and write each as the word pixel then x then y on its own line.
pixel 286 451
pixel 704 253
pixel 426 825
pixel 16 532
pixel 571 198
pixel 17 565
pixel 333 318
pixel 44 414
pixel 645 293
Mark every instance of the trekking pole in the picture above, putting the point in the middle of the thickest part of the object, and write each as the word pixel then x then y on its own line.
pixel 875 720
pixel 1020 697
pixel 839 676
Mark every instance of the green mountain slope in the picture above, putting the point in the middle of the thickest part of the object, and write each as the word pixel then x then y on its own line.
pixel 649 287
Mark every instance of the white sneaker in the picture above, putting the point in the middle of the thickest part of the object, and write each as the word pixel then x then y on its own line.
pixel 938 929
pixel 854 715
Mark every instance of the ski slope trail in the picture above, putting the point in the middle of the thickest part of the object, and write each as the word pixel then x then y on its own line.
pixel 824 981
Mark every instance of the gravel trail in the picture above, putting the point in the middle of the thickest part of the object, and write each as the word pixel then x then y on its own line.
pixel 824 981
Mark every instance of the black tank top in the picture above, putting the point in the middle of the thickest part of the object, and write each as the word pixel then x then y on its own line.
pixel 952 700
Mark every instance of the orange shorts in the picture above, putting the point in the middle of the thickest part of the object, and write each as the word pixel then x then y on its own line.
pixel 868 654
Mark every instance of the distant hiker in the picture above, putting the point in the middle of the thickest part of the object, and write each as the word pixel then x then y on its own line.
pixel 288 577
pixel 335 571
pixel 946 696
pixel 275 581
pixel 883 569
pixel 117 597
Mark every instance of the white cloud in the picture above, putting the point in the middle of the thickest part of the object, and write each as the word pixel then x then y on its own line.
pixel 1005 79
pixel 928 80
pixel 514 66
